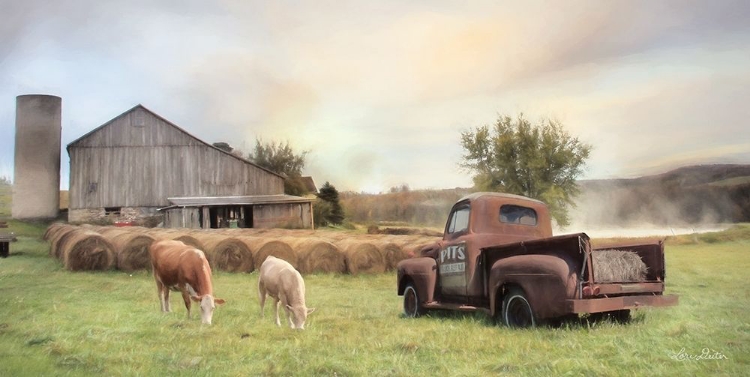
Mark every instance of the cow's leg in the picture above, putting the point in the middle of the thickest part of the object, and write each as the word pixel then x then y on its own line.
pixel 167 307
pixel 276 302
pixel 288 312
pixel 186 298
pixel 262 296
pixel 163 293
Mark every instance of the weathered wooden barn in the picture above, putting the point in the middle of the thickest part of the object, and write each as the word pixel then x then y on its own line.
pixel 127 169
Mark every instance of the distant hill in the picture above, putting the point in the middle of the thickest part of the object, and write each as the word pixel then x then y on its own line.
pixel 688 195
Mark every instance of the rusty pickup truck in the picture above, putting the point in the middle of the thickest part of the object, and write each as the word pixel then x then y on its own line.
pixel 498 255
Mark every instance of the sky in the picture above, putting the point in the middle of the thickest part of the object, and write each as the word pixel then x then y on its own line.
pixel 379 92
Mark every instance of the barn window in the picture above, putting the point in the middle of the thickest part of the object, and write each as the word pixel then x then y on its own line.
pixel 114 211
pixel 517 215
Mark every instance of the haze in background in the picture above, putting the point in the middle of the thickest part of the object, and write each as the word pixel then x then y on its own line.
pixel 379 91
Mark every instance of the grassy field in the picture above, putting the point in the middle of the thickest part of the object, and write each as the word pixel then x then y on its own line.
pixel 55 322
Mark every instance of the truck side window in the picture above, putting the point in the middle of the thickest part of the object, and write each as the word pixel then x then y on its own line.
pixel 459 220
pixel 517 215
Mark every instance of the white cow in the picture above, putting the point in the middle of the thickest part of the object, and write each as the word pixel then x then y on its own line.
pixel 281 281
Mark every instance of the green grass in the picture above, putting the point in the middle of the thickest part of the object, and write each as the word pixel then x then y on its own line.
pixel 56 322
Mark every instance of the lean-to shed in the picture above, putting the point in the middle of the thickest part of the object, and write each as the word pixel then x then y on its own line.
pixel 254 211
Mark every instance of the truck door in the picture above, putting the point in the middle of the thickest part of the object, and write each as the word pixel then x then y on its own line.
pixel 452 257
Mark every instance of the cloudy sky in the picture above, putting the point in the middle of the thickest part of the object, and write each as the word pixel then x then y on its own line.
pixel 379 91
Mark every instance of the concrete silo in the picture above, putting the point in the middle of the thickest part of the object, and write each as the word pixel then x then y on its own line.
pixel 36 177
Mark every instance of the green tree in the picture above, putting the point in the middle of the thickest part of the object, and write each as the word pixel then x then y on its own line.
pixel 540 161
pixel 281 158
pixel 321 212
pixel 329 194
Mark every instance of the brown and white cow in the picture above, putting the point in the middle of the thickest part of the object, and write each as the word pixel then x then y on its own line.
pixel 281 281
pixel 183 268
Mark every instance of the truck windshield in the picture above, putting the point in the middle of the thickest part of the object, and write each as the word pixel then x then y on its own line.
pixel 517 215
pixel 459 220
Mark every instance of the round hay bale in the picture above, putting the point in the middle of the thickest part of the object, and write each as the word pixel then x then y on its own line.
pixel 317 255
pixel 337 237
pixel 52 229
pixel 95 228
pixel 135 228
pixel 58 239
pixel 392 252
pixel 187 239
pixel 87 250
pixel 414 245
pixel 278 249
pixel 362 257
pixel 227 253
pixel 110 233
pixel 162 234
pixel 618 266
pixel 131 250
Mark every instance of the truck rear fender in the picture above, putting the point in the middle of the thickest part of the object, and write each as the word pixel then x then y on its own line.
pixel 420 271
pixel 547 281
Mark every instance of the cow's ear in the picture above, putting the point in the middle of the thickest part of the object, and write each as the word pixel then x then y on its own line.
pixel 219 301
pixel 310 310
pixel 196 298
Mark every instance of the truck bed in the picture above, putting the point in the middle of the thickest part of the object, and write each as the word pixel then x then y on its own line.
pixel 576 250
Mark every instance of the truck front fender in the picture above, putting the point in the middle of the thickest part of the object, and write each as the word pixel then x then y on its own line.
pixel 420 271
pixel 547 280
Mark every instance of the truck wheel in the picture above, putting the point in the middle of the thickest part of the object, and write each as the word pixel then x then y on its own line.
pixel 411 302
pixel 517 310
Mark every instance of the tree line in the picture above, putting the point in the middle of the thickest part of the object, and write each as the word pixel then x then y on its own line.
pixel 537 160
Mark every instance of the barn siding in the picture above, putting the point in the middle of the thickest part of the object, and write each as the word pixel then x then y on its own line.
pixel 182 218
pixel 282 215
pixel 126 164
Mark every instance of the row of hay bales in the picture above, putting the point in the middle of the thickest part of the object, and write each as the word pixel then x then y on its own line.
pixel 236 250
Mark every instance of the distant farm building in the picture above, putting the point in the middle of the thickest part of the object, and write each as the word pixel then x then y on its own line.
pixel 309 185
pixel 139 162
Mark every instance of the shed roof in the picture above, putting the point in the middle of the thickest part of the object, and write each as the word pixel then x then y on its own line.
pixel 309 184
pixel 235 200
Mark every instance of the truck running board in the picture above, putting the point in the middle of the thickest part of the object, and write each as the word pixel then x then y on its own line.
pixel 459 307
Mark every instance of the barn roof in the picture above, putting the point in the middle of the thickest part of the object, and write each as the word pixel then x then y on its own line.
pixel 234 200
pixel 139 106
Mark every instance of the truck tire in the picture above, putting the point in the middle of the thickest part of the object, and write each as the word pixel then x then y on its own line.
pixel 411 302
pixel 516 310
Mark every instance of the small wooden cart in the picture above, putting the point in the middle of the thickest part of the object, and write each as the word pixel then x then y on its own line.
pixel 5 240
